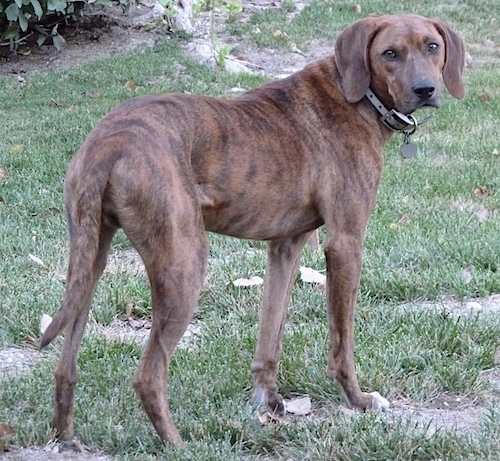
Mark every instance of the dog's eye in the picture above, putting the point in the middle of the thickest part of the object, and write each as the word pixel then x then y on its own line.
pixel 389 54
pixel 432 47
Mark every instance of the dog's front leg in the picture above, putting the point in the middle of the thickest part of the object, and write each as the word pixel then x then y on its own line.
pixel 283 258
pixel 343 259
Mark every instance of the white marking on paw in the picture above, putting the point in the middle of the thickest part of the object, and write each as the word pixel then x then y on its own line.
pixel 259 397
pixel 379 403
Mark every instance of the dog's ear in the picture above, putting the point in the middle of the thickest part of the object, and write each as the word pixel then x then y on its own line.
pixel 352 57
pixel 454 59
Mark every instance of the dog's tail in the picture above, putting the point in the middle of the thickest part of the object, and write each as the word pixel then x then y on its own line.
pixel 88 247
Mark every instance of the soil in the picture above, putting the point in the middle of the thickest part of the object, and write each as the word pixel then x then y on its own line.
pixel 103 33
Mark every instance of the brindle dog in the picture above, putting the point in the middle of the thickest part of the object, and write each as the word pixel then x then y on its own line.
pixel 273 164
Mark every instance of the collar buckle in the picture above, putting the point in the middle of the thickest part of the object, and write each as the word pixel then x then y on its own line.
pixel 392 119
pixel 397 121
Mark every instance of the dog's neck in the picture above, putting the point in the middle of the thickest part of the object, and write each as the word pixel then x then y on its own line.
pixel 392 119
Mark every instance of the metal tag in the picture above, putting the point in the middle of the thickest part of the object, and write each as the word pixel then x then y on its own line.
pixel 408 149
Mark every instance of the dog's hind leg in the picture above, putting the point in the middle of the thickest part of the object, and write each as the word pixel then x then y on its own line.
pixel 84 271
pixel 283 257
pixel 172 243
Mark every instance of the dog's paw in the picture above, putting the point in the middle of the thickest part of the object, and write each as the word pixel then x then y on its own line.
pixel 264 401
pixel 379 403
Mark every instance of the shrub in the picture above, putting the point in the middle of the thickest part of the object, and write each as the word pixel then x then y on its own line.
pixel 38 20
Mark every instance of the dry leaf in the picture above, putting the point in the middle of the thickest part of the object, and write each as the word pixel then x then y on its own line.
pixel 268 417
pixel 35 259
pixel 299 407
pixel 252 281
pixel 94 94
pixel 17 149
pixel 404 219
pixel 483 190
pixel 46 213
pixel 45 321
pixel 485 97
pixel 71 109
pixel 466 275
pixel 309 275
pixel 128 309
pixel 6 434
pixel 130 85
pixel 3 174
pixel 139 324
pixel 2 200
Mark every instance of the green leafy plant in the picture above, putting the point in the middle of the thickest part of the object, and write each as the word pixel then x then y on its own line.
pixel 38 20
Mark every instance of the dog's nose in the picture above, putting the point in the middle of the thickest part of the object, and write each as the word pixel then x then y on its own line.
pixel 424 90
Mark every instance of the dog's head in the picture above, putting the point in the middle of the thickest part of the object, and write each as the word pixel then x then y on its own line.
pixel 401 58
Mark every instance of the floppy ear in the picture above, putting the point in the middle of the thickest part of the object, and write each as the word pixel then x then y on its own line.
pixel 454 60
pixel 352 57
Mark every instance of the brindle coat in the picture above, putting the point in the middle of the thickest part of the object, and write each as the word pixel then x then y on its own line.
pixel 274 164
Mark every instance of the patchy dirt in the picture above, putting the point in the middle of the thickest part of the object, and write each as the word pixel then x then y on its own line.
pixel 104 34
pixel 49 454
pixel 15 361
pixel 101 33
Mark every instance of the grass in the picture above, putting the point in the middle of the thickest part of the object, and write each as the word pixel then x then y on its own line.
pixel 428 227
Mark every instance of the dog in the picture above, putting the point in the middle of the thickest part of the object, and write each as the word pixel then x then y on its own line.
pixel 273 164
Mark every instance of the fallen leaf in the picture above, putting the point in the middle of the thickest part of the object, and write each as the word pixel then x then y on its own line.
pixel 17 149
pixel 6 434
pixel 404 219
pixel 35 259
pixel 268 417
pixel 46 213
pixel 466 275
pixel 2 200
pixel 71 109
pixel 130 85
pixel 483 190
pixel 485 97
pixel 94 94
pixel 252 281
pixel 3 174
pixel 45 321
pixel 309 275
pixel 299 407
pixel 137 324
pixel 128 310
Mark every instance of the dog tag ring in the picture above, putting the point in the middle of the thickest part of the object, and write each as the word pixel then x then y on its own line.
pixel 408 149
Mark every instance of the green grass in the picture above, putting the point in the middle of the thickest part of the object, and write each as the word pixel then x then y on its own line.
pixel 324 19
pixel 424 232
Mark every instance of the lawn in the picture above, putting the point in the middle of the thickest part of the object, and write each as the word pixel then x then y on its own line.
pixel 432 246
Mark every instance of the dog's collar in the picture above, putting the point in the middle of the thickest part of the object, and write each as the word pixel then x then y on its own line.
pixel 393 119
pixel 396 121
